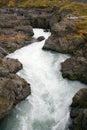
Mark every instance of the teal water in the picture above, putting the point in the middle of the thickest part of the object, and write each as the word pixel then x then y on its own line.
pixel 47 108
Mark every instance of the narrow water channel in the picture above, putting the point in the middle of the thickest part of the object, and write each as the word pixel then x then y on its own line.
pixel 48 106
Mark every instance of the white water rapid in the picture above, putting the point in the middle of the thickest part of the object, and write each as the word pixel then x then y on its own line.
pixel 48 106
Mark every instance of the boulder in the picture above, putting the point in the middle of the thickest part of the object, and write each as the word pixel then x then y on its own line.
pixel 41 38
pixel 21 88
pixel 13 89
pixel 13 65
pixel 8 66
pixel 75 68
pixel 78 112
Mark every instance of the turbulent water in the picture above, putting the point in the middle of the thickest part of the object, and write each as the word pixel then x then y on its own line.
pixel 48 106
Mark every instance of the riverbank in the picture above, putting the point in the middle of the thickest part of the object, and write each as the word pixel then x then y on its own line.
pixel 14 34
pixel 70 36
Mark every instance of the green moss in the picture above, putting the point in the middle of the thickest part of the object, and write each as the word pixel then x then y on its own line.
pixel 32 3
pixel 76 8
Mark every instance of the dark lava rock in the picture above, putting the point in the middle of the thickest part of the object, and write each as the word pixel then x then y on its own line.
pixel 41 38
pixel 78 112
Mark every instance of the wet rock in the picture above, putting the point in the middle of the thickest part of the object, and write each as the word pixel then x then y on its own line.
pixel 42 18
pixel 41 38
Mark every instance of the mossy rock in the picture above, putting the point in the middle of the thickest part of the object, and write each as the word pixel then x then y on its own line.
pixel 41 38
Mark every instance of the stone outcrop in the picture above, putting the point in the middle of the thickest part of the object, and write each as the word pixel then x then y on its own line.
pixel 75 68
pixel 67 37
pixel 15 31
pixel 63 39
pixel 8 66
pixel 79 111
pixel 13 89
pixel 70 37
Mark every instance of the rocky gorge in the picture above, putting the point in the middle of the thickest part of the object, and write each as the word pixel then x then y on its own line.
pixel 15 32
pixel 68 36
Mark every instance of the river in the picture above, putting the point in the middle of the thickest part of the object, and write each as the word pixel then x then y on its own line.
pixel 47 108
